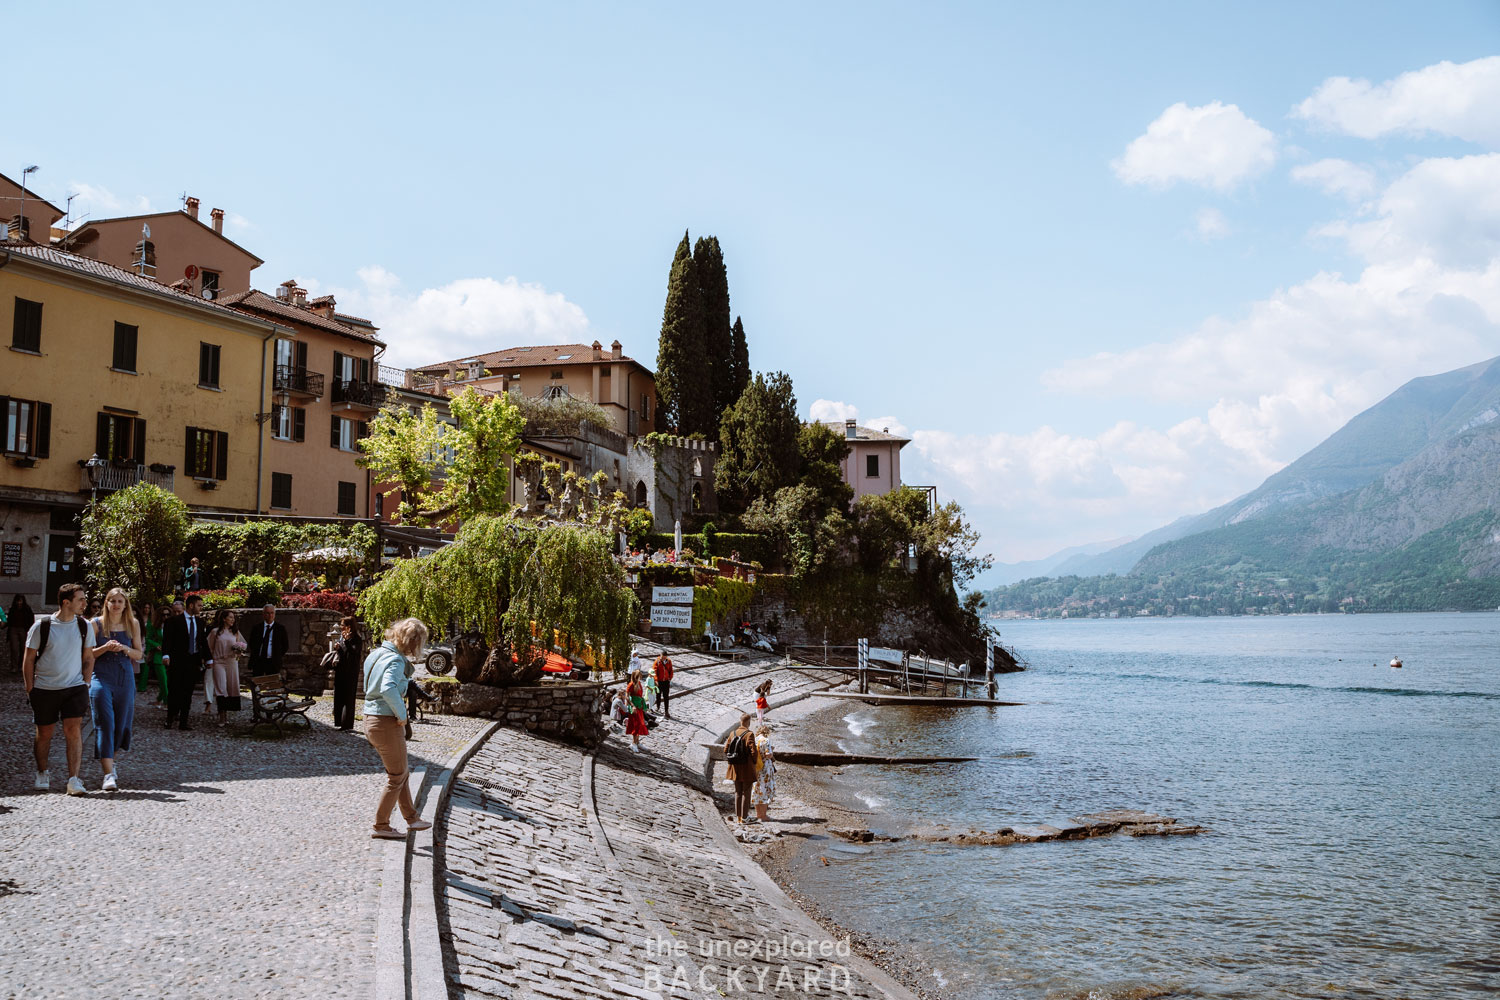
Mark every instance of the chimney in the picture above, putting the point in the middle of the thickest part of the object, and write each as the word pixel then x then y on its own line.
pixel 598 351
pixel 850 431
pixel 218 216
pixel 284 290
pixel 299 297
pixel 323 305
pixel 192 207
pixel 616 351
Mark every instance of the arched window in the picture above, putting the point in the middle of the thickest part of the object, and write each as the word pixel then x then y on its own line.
pixel 640 493
pixel 697 496
pixel 698 467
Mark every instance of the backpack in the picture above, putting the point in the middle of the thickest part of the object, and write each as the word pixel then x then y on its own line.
pixel 739 751
pixel 46 633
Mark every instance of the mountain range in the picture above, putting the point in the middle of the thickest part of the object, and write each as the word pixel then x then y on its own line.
pixel 1395 510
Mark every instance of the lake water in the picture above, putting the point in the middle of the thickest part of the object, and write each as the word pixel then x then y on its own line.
pixel 1355 812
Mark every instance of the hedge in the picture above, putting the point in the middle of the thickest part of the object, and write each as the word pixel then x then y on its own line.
pixel 328 600
pixel 751 547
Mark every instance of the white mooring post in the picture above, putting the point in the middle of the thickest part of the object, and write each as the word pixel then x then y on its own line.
pixel 864 666
pixel 989 669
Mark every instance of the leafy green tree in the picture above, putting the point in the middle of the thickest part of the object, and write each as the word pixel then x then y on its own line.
pixel 718 338
pixel 739 361
pixel 887 525
pixel 447 472
pixel 821 452
pixel 758 443
pixel 134 539
pixel 684 389
pixel 560 415
pixel 811 536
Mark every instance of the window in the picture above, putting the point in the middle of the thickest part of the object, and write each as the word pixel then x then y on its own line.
pixel 289 423
pixel 604 371
pixel 125 338
pixel 645 406
pixel 556 373
pixel 872 466
pixel 120 438
pixel 207 454
pixel 211 284
pixel 28 426
pixel 346 499
pixel 281 490
pixel 344 433
pixel 26 335
pixel 208 365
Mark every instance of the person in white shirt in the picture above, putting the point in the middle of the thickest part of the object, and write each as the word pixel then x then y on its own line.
pixel 56 674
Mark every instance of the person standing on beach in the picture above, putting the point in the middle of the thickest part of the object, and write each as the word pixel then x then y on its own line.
pixel 56 674
pixel 740 753
pixel 662 670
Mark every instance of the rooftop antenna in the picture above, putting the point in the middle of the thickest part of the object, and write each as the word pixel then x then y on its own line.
pixel 21 226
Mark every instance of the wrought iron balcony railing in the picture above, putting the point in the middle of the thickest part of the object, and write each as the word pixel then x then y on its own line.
pixel 298 380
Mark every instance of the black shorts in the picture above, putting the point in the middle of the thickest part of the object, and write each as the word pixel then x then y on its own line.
pixel 69 703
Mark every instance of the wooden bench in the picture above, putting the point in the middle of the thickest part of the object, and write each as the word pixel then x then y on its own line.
pixel 272 702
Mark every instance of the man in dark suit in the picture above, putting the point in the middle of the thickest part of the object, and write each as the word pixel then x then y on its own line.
pixel 267 643
pixel 185 650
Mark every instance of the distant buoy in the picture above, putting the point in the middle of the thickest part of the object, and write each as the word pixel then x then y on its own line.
pixel 1395 663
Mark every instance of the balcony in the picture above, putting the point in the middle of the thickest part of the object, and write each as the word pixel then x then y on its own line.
pixel 352 393
pixel 297 381
pixel 117 476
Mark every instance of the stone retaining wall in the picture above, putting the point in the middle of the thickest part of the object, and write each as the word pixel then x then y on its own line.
pixel 569 710
pixel 307 640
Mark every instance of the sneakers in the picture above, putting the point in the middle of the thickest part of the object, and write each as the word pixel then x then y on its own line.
pixel 388 833
pixel 75 787
pixel 43 781
pixel 111 783
pixel 418 824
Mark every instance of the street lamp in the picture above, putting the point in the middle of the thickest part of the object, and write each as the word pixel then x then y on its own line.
pixel 94 467
pixel 21 226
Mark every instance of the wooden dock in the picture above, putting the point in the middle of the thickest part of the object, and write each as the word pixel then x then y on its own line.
pixel 911 699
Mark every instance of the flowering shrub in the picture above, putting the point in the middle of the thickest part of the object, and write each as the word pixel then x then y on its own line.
pixel 328 600
pixel 218 600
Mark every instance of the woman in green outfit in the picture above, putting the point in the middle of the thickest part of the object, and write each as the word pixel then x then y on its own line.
pixel 151 665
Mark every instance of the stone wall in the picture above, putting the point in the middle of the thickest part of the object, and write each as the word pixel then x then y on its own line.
pixel 572 711
pixel 669 478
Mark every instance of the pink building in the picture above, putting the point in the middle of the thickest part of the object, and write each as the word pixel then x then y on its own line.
pixel 874 462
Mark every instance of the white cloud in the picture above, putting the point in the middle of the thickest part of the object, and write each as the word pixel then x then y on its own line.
pixel 1443 209
pixel 1214 145
pixel 1260 388
pixel 1337 177
pixel 1210 224
pixel 829 409
pixel 466 316
pixel 1452 99
pixel 890 425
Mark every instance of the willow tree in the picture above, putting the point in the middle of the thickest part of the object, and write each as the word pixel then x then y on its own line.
pixel 446 472
pixel 512 582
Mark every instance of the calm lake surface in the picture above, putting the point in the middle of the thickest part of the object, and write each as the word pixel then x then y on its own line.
pixel 1355 812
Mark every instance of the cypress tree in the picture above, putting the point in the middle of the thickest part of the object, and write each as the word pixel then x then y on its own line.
pixel 739 362
pixel 684 397
pixel 713 279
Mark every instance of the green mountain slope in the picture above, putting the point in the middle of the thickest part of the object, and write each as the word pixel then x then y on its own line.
pixel 1395 511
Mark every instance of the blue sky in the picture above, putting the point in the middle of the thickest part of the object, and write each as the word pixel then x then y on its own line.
pixel 932 215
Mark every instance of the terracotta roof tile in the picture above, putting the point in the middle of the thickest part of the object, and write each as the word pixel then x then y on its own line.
pixel 97 268
pixel 533 357
pixel 256 301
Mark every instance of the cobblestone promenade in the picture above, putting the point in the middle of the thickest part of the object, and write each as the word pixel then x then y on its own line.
pixel 226 867
pixel 564 872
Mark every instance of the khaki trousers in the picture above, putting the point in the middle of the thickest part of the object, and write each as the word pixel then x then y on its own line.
pixel 387 735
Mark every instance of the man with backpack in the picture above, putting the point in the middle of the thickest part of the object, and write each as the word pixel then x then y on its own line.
pixel 58 665
pixel 662 670
pixel 744 768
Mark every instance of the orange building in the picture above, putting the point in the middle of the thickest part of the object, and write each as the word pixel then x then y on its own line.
pixel 179 250
pixel 622 385
pixel 24 213
pixel 325 391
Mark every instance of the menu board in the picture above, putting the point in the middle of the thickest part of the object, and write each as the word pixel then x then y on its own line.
pixel 10 558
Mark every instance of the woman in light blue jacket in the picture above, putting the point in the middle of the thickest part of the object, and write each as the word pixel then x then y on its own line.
pixel 387 670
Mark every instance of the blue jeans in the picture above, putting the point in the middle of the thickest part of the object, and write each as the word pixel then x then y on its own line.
pixel 112 699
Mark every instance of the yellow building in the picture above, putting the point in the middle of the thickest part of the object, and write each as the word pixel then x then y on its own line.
pixel 160 384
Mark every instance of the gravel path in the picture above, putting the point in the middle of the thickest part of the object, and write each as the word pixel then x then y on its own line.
pixel 226 866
